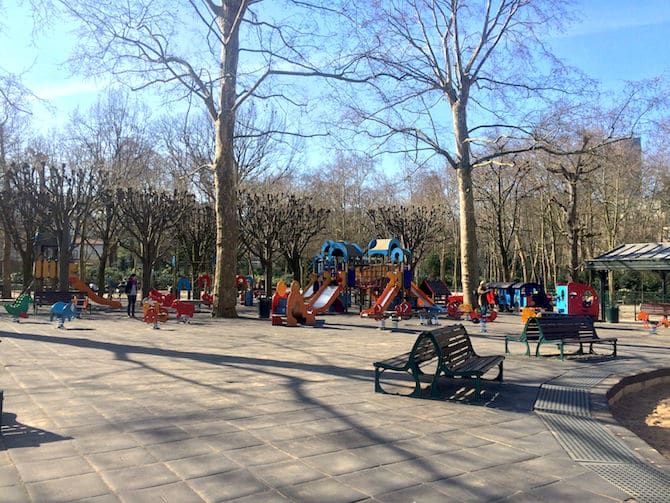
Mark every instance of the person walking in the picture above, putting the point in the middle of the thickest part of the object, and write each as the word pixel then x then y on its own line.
pixel 131 292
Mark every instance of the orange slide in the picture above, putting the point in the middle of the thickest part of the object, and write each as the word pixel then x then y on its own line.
pixel 83 287
pixel 383 301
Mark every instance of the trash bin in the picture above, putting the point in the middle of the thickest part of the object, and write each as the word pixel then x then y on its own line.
pixel 263 307
pixel 249 298
pixel 612 314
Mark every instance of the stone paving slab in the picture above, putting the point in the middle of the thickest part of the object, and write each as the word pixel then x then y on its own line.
pixel 108 409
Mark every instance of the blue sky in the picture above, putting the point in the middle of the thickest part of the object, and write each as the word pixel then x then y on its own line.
pixel 618 40
pixel 615 41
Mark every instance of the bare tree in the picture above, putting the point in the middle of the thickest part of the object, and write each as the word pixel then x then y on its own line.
pixel 105 225
pixel 352 184
pixel 197 238
pixel 454 74
pixel 306 220
pixel 20 206
pixel 69 194
pixel 263 216
pixel 417 227
pixel 193 48
pixel 112 137
pixel 14 110
pixel 502 190
pixel 262 150
pixel 147 215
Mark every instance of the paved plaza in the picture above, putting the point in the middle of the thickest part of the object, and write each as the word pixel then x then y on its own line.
pixel 110 410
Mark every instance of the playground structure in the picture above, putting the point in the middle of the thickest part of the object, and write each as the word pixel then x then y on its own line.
pixel 183 285
pixel 163 303
pixel 334 276
pixel 510 296
pixel 205 283
pixel 379 277
pixel 64 311
pixel 153 312
pixel 383 301
pixel 437 290
pixel 385 282
pixel 78 284
pixel 653 308
pixel 503 294
pixel 19 308
pixel 289 307
pixel 577 299
pixel 245 289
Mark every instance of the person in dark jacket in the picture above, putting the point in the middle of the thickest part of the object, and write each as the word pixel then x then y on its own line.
pixel 482 297
pixel 131 292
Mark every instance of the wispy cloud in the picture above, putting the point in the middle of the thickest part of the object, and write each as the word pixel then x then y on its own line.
pixel 67 89
pixel 604 16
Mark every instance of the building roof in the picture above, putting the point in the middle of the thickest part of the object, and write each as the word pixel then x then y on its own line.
pixel 635 257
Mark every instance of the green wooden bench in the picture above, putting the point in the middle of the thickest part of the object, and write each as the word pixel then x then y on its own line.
pixel 450 349
pixel 561 330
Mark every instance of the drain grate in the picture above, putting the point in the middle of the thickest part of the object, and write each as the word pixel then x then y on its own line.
pixel 579 381
pixel 645 483
pixel 586 440
pixel 564 405
pixel 563 400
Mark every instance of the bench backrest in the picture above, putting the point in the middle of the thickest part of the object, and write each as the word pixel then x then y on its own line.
pixel 451 344
pixel 655 308
pixel 559 327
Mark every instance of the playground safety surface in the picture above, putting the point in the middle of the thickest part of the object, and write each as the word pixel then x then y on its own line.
pixel 109 409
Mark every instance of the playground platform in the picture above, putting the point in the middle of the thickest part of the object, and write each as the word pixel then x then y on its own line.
pixel 109 410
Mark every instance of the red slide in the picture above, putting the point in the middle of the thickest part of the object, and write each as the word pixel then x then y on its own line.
pixel 83 287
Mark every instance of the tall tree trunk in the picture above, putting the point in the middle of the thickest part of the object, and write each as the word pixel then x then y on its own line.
pixel 443 262
pixel 6 242
pixel 466 201
pixel 64 257
pixel 82 254
pixel 573 231
pixel 102 265
pixel 268 277
pixel 468 232
pixel 147 272
pixel 225 170
pixel 6 268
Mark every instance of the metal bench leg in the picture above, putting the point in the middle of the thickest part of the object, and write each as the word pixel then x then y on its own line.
pixel 378 388
pixel 416 373
pixel 478 388
pixel 499 377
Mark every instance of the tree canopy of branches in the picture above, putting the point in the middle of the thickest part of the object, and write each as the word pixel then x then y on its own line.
pixel 417 227
pixel 195 51
pixel 70 193
pixel 148 216
pixel 197 238
pixel 306 220
pixel 463 62
pixel 273 222
pixel 19 209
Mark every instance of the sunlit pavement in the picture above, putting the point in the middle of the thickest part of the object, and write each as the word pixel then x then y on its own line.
pixel 109 409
